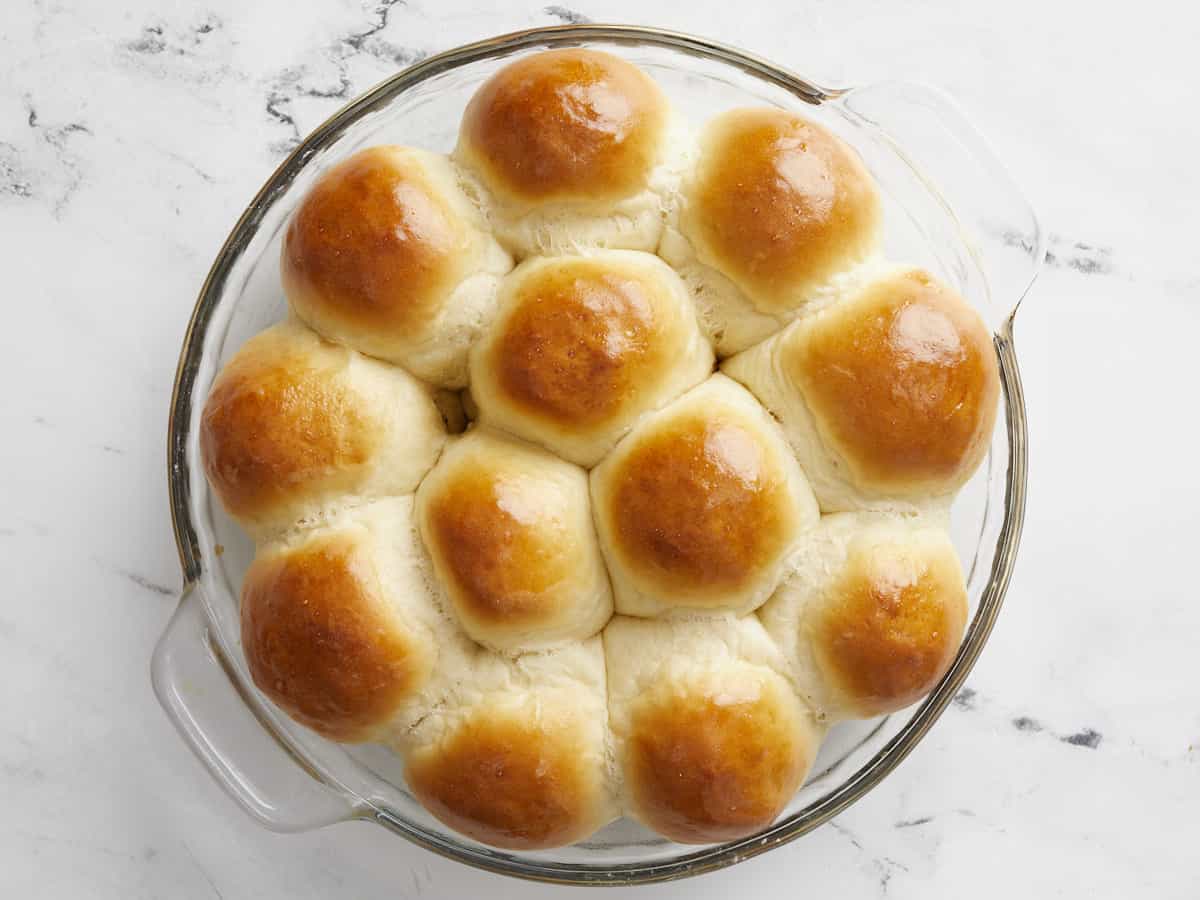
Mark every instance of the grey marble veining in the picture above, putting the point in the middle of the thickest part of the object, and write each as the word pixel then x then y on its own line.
pixel 131 137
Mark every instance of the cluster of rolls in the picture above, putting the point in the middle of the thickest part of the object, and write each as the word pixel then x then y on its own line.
pixel 598 469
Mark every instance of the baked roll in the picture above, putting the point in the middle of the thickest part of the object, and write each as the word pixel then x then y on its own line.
pixel 582 346
pixel 387 255
pixel 700 505
pixel 776 214
pixel 296 426
pixel 573 149
pixel 340 627
pixel 888 395
pixel 516 755
pixel 873 615
pixel 508 527
pixel 710 738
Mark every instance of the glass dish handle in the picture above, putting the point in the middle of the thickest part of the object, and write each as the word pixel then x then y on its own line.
pixel 995 217
pixel 202 700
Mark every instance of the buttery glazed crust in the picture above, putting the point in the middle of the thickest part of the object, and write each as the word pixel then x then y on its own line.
pixel 890 623
pixel 578 344
pixel 294 424
pixel 516 755
pixel 582 346
pixel 904 382
pixel 509 530
pixel 575 125
pixel 374 243
pixel 323 642
pixel 706 763
pixel 872 615
pixel 273 421
pixel 512 781
pixel 892 393
pixel 778 204
pixel 710 738
pixel 698 507
pixel 387 255
pixel 700 464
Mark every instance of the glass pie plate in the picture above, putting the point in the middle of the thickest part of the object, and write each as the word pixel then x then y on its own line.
pixel 949 206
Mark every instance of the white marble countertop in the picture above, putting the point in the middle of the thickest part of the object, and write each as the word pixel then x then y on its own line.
pixel 131 136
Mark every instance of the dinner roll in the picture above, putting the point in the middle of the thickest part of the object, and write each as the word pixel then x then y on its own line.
pixel 699 506
pixel 873 615
pixel 710 738
pixel 776 214
pixel 295 425
pixel 891 394
pixel 572 147
pixel 517 755
pixel 339 625
pixel 387 255
pixel 509 529
pixel 584 345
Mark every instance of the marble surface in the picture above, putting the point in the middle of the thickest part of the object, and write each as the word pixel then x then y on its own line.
pixel 131 136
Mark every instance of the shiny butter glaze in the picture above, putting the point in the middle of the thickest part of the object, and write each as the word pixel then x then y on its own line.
pixel 508 528
pixel 279 417
pixel 503 543
pixel 888 627
pixel 778 204
pixel 375 244
pixel 323 644
pixel 564 125
pixel 701 505
pixel 580 343
pixel 718 758
pixel 903 381
pixel 518 781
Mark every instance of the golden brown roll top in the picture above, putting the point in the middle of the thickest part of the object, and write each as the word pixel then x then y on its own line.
pixel 873 616
pixel 582 346
pixel 509 529
pixel 774 210
pixel 339 626
pixel 567 143
pixel 388 255
pixel 295 425
pixel 711 740
pixel 778 204
pixel 564 125
pixel 891 393
pixel 700 505
pixel 517 755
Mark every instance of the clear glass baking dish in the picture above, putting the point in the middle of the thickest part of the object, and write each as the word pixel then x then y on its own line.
pixel 949 206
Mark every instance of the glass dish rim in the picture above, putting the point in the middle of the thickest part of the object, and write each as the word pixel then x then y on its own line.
pixel 891 754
